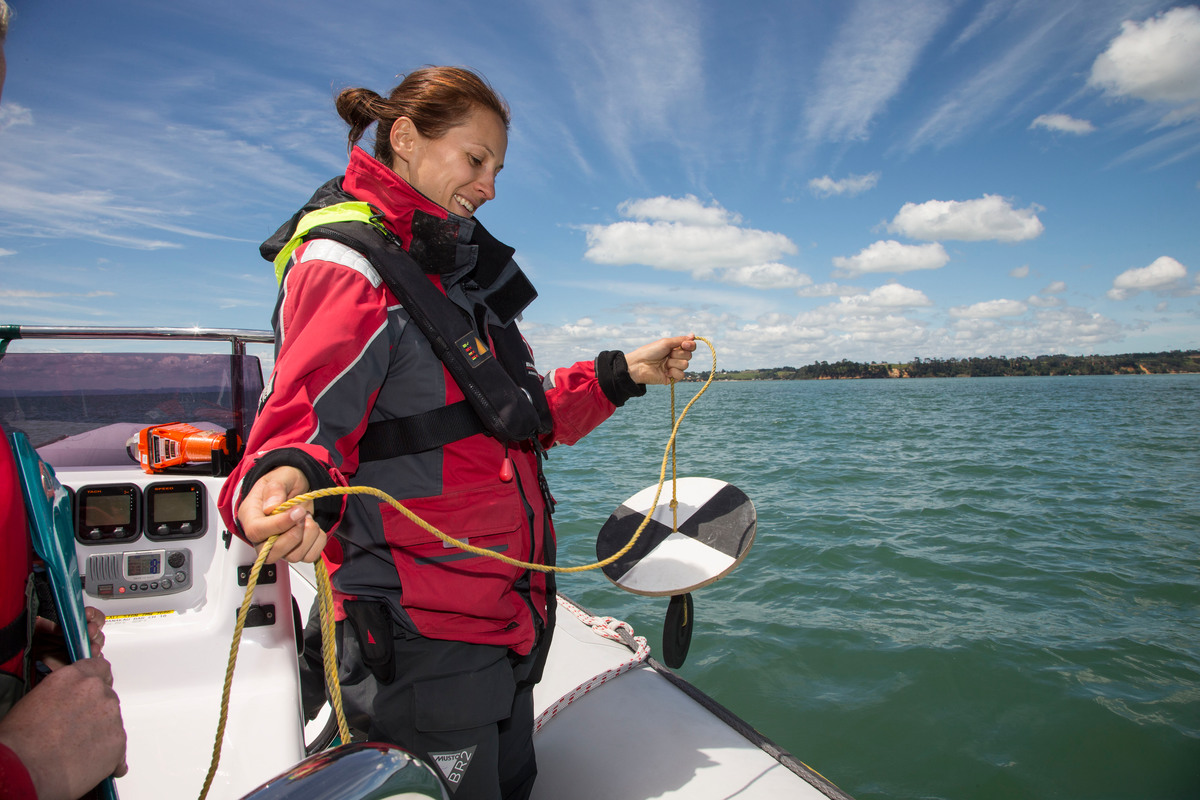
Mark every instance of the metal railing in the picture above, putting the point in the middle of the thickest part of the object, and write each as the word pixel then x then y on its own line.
pixel 237 337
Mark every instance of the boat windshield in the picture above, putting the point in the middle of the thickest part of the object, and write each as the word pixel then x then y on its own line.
pixel 80 408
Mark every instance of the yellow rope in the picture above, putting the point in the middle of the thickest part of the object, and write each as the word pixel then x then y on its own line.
pixel 329 650
pixel 325 592
pixel 674 499
pixel 328 653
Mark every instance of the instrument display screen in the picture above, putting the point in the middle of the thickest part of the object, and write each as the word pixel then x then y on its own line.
pixel 107 514
pixel 178 507
pixel 112 509
pixel 175 510
pixel 144 565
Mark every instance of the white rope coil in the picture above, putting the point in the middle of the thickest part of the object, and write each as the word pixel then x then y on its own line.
pixel 609 628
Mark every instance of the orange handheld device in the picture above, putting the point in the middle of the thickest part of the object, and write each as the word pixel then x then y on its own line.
pixel 178 444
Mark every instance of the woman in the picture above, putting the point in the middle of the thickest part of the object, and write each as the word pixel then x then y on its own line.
pixel 399 366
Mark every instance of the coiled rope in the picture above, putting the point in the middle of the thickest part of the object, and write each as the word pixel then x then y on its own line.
pixel 325 592
pixel 609 628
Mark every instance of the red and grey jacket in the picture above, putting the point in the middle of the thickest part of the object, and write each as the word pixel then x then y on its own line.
pixel 16 614
pixel 351 358
pixel 16 587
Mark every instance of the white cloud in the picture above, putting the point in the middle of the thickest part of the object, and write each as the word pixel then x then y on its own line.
pixel 990 217
pixel 851 185
pixel 891 256
pixel 1063 123
pixel 989 309
pixel 685 235
pixel 886 298
pixel 687 209
pixel 1057 287
pixel 1164 274
pixel 1044 301
pixel 4 252
pixel 1063 329
pixel 1019 272
pixel 765 276
pixel 830 289
pixel 1157 60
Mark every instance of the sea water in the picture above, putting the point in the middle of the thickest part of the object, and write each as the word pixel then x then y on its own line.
pixel 960 588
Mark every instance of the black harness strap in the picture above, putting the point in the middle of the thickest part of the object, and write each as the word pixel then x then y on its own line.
pixel 505 407
pixel 389 438
pixel 13 637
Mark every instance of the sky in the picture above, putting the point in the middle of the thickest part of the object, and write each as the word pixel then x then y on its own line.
pixel 872 180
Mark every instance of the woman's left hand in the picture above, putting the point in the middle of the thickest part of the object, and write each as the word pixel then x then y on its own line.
pixel 662 361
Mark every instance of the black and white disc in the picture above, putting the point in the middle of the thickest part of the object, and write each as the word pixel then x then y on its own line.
pixel 716 523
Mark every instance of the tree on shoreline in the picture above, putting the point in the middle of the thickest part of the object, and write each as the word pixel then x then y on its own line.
pixel 1172 362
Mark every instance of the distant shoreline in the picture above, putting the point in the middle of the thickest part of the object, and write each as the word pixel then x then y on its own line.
pixel 1175 362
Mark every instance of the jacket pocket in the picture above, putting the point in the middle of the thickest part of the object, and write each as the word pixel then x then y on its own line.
pixel 449 592
pixel 466 514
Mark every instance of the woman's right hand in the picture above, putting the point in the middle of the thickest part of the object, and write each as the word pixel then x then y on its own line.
pixel 300 538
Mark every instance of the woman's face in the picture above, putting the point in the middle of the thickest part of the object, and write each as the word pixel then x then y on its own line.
pixel 457 171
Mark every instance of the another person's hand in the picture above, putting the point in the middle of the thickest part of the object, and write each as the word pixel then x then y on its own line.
pixel 68 731
pixel 301 539
pixel 50 647
pixel 662 361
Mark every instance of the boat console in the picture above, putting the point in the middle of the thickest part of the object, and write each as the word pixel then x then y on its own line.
pixel 154 556
pixel 172 599
pixel 166 514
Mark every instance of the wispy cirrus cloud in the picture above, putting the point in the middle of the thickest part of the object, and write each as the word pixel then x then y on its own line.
pixel 21 294
pixel 132 174
pixel 985 17
pixel 869 61
pixel 96 215
pixel 634 68
pixel 12 115
pixel 990 88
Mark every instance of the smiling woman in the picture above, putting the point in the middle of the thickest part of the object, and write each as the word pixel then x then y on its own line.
pixel 400 366
pixel 437 128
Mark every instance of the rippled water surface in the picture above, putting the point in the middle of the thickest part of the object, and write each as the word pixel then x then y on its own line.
pixel 971 588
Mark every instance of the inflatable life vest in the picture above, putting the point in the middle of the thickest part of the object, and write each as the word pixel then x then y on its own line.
pixel 16 584
pixel 504 394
